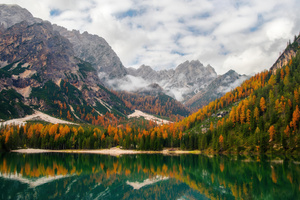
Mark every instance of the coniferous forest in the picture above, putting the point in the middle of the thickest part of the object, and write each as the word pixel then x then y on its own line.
pixel 260 116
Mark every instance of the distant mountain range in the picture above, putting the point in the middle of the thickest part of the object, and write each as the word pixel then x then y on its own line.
pixel 191 82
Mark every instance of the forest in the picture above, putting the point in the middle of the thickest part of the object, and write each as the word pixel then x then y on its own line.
pixel 161 104
pixel 261 116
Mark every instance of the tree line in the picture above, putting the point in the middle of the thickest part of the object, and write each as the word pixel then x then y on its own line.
pixel 263 117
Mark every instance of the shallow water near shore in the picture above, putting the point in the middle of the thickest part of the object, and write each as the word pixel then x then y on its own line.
pixel 144 176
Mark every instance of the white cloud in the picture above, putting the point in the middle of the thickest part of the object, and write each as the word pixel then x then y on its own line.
pixel 279 28
pixel 243 35
pixel 128 83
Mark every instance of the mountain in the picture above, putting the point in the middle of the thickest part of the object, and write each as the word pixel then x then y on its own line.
pixel 181 83
pixel 63 73
pixel 191 82
pixel 95 50
pixel 185 83
pixel 216 89
pixel 40 64
pixel 87 47
pixel 287 55
pixel 12 14
pixel 158 104
pixel 39 69
pixel 261 116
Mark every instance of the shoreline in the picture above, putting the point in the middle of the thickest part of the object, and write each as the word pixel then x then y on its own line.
pixel 112 151
pixel 116 151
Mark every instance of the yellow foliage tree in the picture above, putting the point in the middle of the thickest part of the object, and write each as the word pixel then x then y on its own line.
pixel 262 104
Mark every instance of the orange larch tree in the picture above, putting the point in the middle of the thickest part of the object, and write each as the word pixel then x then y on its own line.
pixel 263 104
pixel 272 132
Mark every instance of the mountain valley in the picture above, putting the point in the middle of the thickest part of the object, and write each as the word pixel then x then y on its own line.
pixel 78 77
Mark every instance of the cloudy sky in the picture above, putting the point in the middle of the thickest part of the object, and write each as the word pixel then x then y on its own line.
pixel 244 35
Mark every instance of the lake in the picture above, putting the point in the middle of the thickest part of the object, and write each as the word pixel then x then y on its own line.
pixel 156 176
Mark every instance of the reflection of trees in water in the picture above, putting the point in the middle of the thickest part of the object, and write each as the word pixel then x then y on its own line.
pixel 216 177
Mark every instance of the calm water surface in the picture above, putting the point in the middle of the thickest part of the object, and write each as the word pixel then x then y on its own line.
pixel 81 176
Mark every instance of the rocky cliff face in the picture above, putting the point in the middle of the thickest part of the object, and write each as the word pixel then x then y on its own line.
pixel 41 50
pixel 12 14
pixel 191 82
pixel 287 55
pixel 216 89
pixel 181 83
pixel 33 52
pixel 40 64
pixel 89 48
pixel 95 50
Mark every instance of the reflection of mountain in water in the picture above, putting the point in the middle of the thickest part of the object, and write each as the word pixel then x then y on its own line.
pixel 138 185
pixel 73 176
pixel 32 183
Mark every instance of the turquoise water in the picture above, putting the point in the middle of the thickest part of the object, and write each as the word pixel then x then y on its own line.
pixel 85 176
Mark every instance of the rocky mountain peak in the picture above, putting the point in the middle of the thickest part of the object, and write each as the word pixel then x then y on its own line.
pixel 145 71
pixel 88 47
pixel 38 49
pixel 210 69
pixel 194 69
pixel 12 14
pixel 287 55
pixel 40 64
pixel 231 72
pixel 95 50
pixel 145 68
pixel 181 83
pixel 216 88
pixel 189 65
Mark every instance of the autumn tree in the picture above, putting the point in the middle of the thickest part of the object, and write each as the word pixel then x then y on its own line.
pixel 287 131
pixel 272 132
pixel 272 80
pixel 262 104
pixel 248 116
pixel 221 141
pixel 295 119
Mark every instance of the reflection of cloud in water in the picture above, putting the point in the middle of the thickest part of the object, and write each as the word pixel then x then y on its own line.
pixel 33 183
pixel 138 185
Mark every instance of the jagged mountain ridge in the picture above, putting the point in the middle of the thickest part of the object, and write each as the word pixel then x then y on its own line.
pixel 95 50
pixel 38 46
pixel 182 83
pixel 88 47
pixel 36 55
pixel 287 55
pixel 39 63
pixel 191 82
pixel 12 14
pixel 216 89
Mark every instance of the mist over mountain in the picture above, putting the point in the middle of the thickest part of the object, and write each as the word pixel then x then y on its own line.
pixel 65 74
pixel 190 82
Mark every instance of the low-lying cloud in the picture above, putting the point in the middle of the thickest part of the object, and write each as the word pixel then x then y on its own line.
pixel 129 83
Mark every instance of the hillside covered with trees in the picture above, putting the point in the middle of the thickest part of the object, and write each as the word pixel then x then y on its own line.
pixel 260 116
pixel 161 104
